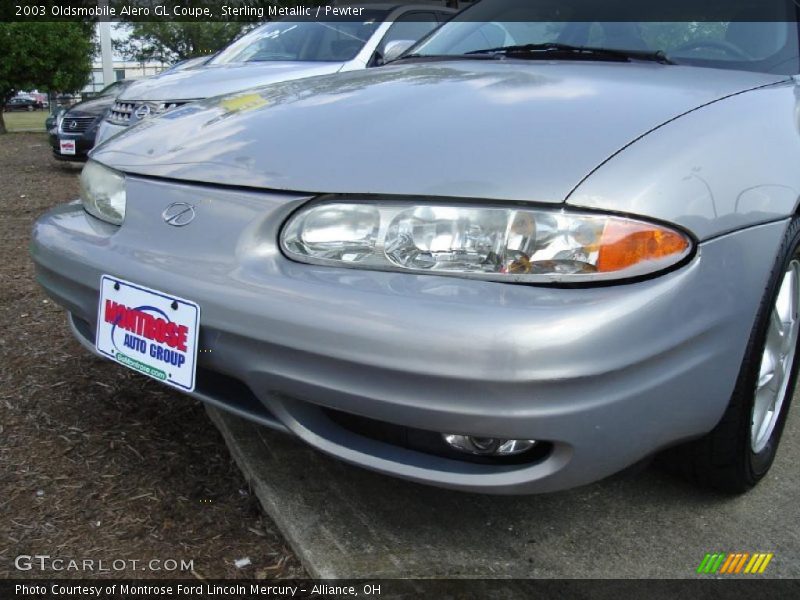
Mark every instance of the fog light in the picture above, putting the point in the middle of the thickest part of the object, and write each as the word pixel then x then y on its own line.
pixel 487 446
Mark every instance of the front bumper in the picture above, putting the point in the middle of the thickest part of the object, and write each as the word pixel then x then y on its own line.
pixel 606 375
pixel 84 142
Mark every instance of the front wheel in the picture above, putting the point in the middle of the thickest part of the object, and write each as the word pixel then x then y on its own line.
pixel 740 450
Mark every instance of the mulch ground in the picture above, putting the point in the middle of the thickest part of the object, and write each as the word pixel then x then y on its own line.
pixel 97 462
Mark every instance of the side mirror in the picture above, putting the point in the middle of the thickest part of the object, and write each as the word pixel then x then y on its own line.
pixel 393 50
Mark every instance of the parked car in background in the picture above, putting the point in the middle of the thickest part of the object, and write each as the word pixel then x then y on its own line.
pixel 73 135
pixel 42 102
pixel 280 51
pixel 22 103
pixel 72 139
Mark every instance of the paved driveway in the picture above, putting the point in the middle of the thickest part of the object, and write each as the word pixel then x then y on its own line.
pixel 346 522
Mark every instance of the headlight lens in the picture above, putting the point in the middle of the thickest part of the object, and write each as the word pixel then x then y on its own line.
pixel 482 242
pixel 103 192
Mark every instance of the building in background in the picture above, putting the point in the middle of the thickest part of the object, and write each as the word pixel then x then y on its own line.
pixel 122 70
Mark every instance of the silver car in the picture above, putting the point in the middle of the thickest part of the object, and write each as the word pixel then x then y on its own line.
pixel 522 258
pixel 280 51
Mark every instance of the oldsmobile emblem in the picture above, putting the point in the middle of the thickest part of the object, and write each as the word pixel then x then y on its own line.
pixel 73 124
pixel 178 214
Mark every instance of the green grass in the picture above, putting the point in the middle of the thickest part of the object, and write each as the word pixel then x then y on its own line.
pixel 16 121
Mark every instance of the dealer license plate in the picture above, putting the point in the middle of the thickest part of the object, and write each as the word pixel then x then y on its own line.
pixel 148 331
pixel 67 147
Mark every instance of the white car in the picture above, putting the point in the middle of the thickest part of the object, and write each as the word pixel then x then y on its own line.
pixel 281 51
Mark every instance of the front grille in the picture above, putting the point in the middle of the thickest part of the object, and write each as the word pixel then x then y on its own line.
pixel 76 124
pixel 121 112
pixel 127 113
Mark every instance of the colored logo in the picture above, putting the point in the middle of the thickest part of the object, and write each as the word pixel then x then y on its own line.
pixel 142 112
pixel 735 563
pixel 149 322
pixel 178 214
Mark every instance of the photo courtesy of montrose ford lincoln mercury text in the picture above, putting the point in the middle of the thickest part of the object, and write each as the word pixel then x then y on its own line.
pixel 522 257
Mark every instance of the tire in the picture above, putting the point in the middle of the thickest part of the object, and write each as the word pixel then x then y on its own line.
pixel 30 109
pixel 734 456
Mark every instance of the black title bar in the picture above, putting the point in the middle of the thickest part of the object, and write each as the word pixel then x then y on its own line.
pixel 464 589
pixel 482 10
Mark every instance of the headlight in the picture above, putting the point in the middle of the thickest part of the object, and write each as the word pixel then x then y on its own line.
pixel 103 192
pixel 509 244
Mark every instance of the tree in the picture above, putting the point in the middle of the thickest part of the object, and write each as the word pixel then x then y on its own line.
pixel 172 41
pixel 47 56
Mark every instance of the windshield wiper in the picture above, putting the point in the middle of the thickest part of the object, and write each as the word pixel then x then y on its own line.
pixel 549 50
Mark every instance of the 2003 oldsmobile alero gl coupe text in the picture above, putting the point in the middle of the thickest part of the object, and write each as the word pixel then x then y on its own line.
pixel 573 245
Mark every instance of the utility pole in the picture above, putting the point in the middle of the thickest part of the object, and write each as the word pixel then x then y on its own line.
pixel 106 55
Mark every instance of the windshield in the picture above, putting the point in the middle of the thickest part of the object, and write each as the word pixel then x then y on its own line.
pixel 112 89
pixel 755 46
pixel 318 41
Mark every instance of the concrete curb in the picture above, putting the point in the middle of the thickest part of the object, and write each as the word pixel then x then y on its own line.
pixel 247 449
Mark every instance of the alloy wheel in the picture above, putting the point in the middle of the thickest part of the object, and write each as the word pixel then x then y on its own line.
pixel 777 359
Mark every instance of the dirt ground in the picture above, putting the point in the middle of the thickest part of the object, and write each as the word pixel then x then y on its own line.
pixel 97 462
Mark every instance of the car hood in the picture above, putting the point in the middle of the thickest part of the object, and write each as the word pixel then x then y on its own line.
pixel 90 108
pixel 500 130
pixel 214 80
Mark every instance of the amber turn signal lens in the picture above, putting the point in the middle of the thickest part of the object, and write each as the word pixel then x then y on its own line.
pixel 628 243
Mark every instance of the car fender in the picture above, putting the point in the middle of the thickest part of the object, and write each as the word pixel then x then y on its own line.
pixel 722 167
